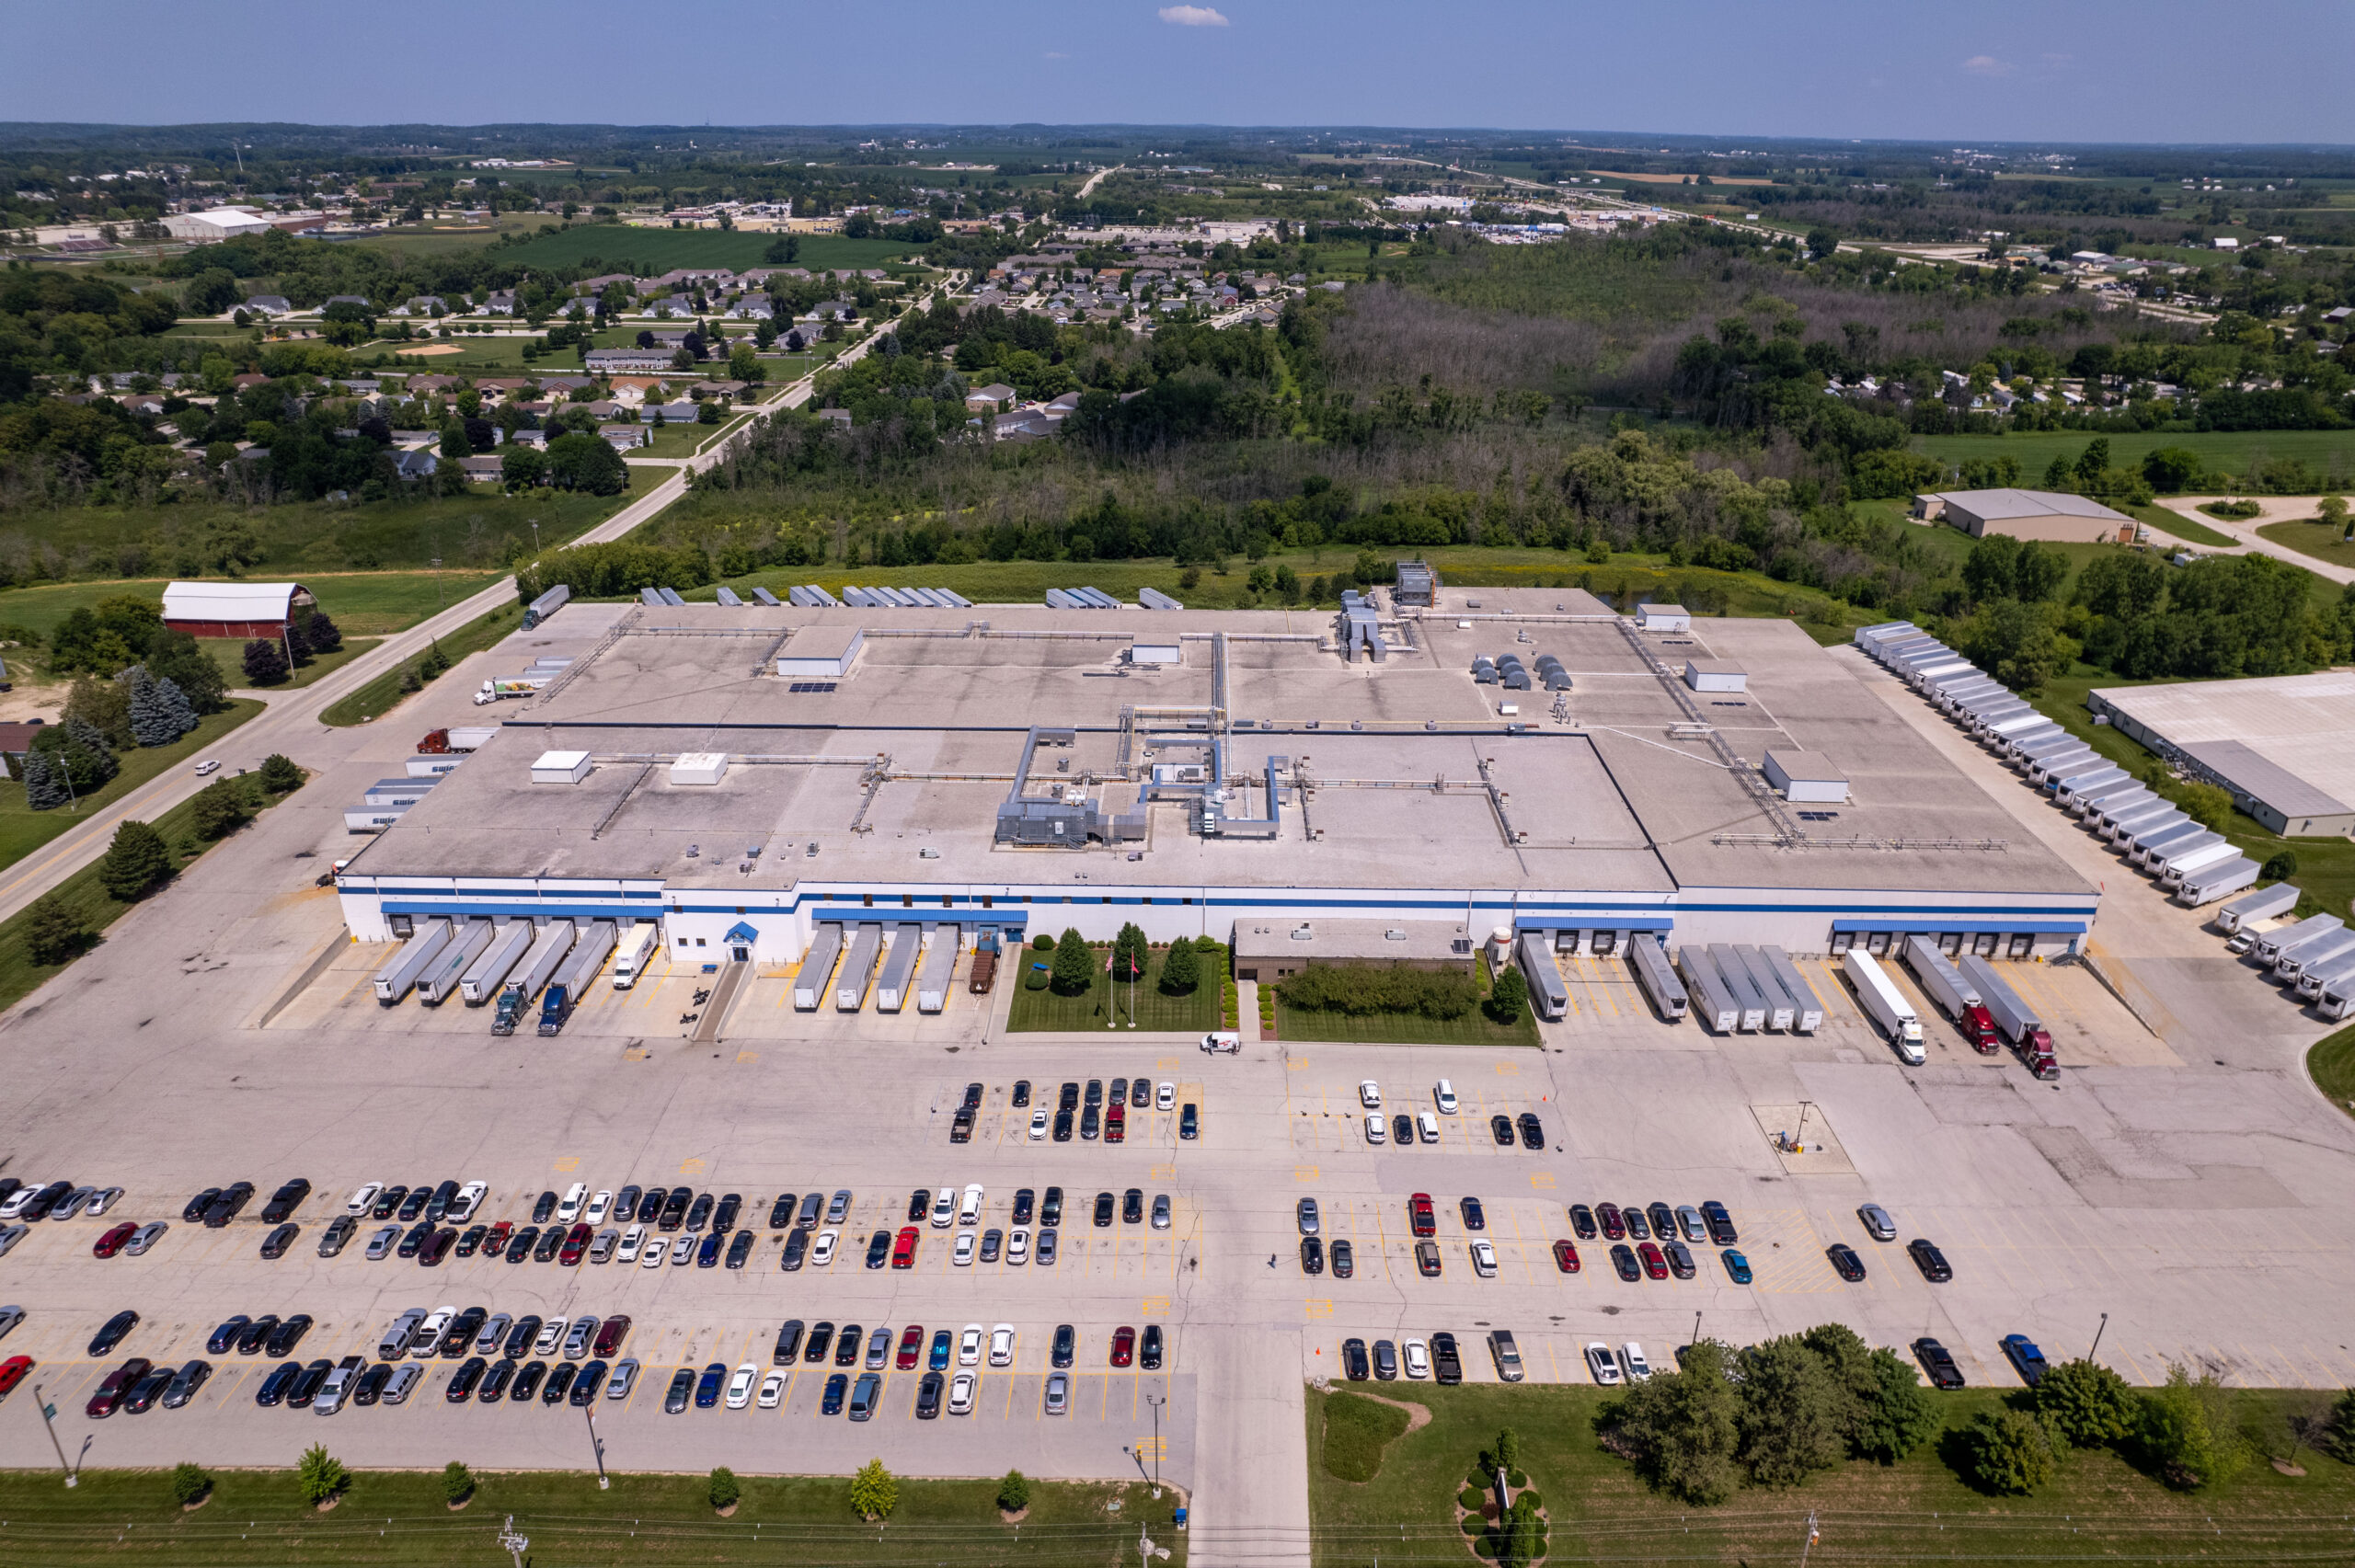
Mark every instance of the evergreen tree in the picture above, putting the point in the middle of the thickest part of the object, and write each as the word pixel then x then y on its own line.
pixel 153 721
pixel 322 634
pixel 1128 953
pixel 54 930
pixel 44 783
pixel 79 756
pixel 1181 971
pixel 280 774
pixel 177 705
pixel 1075 965
pixel 173 656
pixel 265 662
pixel 135 861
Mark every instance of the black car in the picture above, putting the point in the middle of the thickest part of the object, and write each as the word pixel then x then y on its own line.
pixel 650 1206
pixel 1119 1092
pixel 699 1212
pixel 274 1245
pixel 1140 1095
pixel 1066 1346
pixel 1354 1362
pixel 464 1381
pixel 1133 1207
pixel 740 1249
pixel 919 1205
pixel 471 1242
pixel 551 1243
pixel 1474 1217
pixel 388 1201
pixel 50 1196
pixel 1067 1097
pixel 226 1336
pixel 836 1385
pixel 148 1390
pixel 520 1336
pixel 520 1245
pixel 1025 1203
pixel 625 1204
pixel 1679 1259
pixel 1103 1209
pixel 788 1342
pixel 1094 1091
pixel 1344 1260
pixel 285 1201
pixel 972 1096
pixel 437 1208
pixel 1062 1126
pixel 961 1127
pixel 527 1380
pixel 1500 1129
pixel 273 1388
pixel 115 1329
pixel 559 1382
pixel 1721 1224
pixel 305 1386
pixel 197 1204
pixel 226 1207
pixel 1446 1366
pixel 1022 1098
pixel 417 1236
pixel 1051 1208
pixel 437 1246
pixel 723 1218
pixel 1844 1260
pixel 797 1247
pixel 1189 1121
pixel 1639 1228
pixel 1623 1258
pixel 1582 1221
pixel 544 1208
pixel 494 1381
pixel 1149 1348
pixel 1091 1123
pixel 781 1211
pixel 929 1397
pixel 1312 1255
pixel 286 1336
pixel 1938 1362
pixel 1664 1220
pixel 588 1384
pixel 370 1387
pixel 1402 1130
pixel 256 1335
pixel 413 1207
pixel 1930 1261
pixel 848 1344
pixel 879 1249
pixel 1532 1132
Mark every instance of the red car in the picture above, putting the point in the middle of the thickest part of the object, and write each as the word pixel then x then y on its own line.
pixel 1116 1124
pixel 610 1335
pixel 903 1251
pixel 576 1242
pixel 116 1389
pixel 1655 1266
pixel 12 1372
pixel 911 1347
pixel 1420 1217
pixel 111 1242
pixel 494 1246
pixel 1565 1257
pixel 1124 1345
pixel 1607 1216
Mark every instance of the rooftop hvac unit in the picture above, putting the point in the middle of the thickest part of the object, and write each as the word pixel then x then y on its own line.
pixel 699 768
pixel 765 597
pixel 956 599
pixel 727 595
pixel 560 767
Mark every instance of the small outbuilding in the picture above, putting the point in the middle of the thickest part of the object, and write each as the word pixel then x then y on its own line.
pixel 1715 675
pixel 1663 618
pixel 1806 777
pixel 234 608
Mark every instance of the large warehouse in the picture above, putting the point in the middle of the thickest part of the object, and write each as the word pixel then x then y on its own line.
pixel 2028 514
pixel 2284 744
pixel 1016 768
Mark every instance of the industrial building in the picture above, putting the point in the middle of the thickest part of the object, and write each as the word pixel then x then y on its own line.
pixel 2284 744
pixel 1018 770
pixel 2028 514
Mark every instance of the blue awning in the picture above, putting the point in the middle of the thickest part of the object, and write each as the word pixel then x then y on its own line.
pixel 741 931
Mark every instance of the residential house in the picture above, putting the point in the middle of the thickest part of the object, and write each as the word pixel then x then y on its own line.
pixel 417 464
pixel 422 305
pixel 835 416
pixel 1024 425
pixel 682 412
pixel 414 439
pixel 1061 409
pixel 606 361
pixel 622 437
pixel 269 304
pixel 483 467
pixel 634 389
pixel 753 307
pixel 989 399
pixel 500 303
pixel 536 440
pixel 677 305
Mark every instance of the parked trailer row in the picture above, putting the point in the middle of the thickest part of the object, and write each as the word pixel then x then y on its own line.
pixel 483 977
pixel 1807 1009
pixel 564 992
pixel 450 965
pixel 1954 995
pixel 817 967
pixel 859 967
pixel 939 965
pixel 1711 1000
pixel 2278 900
pixel 396 979
pixel 1657 978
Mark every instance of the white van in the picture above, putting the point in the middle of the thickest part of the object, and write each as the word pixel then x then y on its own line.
pixel 969 1212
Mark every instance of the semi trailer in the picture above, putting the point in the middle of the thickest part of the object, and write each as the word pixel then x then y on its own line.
pixel 2262 905
pixel 396 978
pixel 483 977
pixel 1657 978
pixel 1954 995
pixel 458 955
pixel 2015 1020
pixel 1885 1006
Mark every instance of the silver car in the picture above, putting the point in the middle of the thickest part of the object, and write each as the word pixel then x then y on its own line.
pixel 1688 1220
pixel 10 1236
pixel 625 1378
pixel 402 1383
pixel 381 1244
pixel 1878 1223
pixel 494 1332
pixel 9 1318
pixel 338 1385
pixel 838 1208
pixel 1308 1223
pixel 1161 1211
pixel 1058 1392
pixel 71 1204
pixel 146 1236
pixel 576 1338
pixel 185 1382
pixel 100 1201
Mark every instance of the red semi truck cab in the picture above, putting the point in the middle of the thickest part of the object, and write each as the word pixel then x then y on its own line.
pixel 1978 1027
pixel 2036 1050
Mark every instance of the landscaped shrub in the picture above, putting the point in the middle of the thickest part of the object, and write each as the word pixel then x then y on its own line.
pixel 1360 989
pixel 1014 1491
pixel 457 1482
pixel 189 1482
pixel 725 1488
pixel 2086 1403
pixel 2009 1451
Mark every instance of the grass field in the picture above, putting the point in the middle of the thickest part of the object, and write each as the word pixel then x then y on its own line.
pixel 361 603
pixel 2332 1065
pixel 20 976
pixel 468 532
pixel 23 829
pixel 651 252
pixel 2100 1508
pixel 229 653
pixel 380 697
pixel 2318 540
pixel 2229 451
pixel 398 1517
pixel 1476 1028
pixel 1103 1002
pixel 2191 532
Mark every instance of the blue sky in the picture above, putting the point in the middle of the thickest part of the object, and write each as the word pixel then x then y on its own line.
pixel 2065 70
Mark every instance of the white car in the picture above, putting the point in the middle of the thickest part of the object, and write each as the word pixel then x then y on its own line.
pixel 960 1394
pixel 944 1208
pixel 363 1198
pixel 1484 1259
pixel 21 1199
pixel 551 1335
pixel 1600 1362
pixel 429 1332
pixel 632 1239
pixel 740 1387
pixel 1370 1095
pixel 568 1207
pixel 963 1256
pixel 1417 1358
pixel 655 1250
pixel 683 1251
pixel 1002 1345
pixel 598 1206
pixel 1037 1124
pixel 1017 1247
pixel 1165 1094
pixel 207 768
pixel 1631 1361
pixel 969 1345
pixel 1376 1130
pixel 1427 1126
pixel 461 1208
pixel 773 1389
pixel 968 1208
pixel 821 1250
pixel 1444 1092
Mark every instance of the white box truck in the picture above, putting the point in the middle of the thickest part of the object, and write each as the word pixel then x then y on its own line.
pixel 393 981
pixel 637 949
pixel 2262 905
pixel 1885 1006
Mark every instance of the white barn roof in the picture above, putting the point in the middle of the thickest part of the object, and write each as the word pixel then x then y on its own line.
pixel 231 601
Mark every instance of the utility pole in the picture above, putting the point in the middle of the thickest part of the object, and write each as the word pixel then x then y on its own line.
pixel 597 1447
pixel 2097 1334
pixel 516 1545
pixel 49 1420
pixel 1156 1401
pixel 439 603
pixel 1813 1535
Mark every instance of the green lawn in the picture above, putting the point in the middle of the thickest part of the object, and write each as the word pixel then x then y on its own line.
pixel 23 829
pixel 361 603
pixel 20 976
pixel 396 1518
pixel 2332 1064
pixel 380 697
pixel 651 252
pixel 2226 450
pixel 2189 530
pixel 1476 1028
pixel 229 653
pixel 2318 540
pixel 1194 1012
pixel 2100 1508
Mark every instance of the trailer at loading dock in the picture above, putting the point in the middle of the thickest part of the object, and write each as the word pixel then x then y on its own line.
pixel 1659 981
pixel 2013 1019
pixel 1740 986
pixel 940 964
pixel 458 955
pixel 817 967
pixel 555 941
pixel 899 968
pixel 634 950
pixel 1952 992
pixel 1885 1006
pixel 482 979
pixel 2211 883
pixel 393 981
pixel 2273 943
pixel 2263 905
pixel 594 944
pixel 858 967
pixel 1780 1008
pixel 1711 1000
pixel 1547 996
pixel 1807 1014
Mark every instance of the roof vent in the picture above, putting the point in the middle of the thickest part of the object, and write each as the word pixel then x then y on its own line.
pixel 1302 934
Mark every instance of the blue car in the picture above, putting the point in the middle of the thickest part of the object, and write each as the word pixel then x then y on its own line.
pixel 940 1349
pixel 832 1403
pixel 273 1388
pixel 2026 1358
pixel 707 1388
pixel 1737 1265
pixel 707 1255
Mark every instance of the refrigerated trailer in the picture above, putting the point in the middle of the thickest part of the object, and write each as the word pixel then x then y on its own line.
pixel 1807 1009
pixel 393 981
pixel 2263 905
pixel 2184 864
pixel 481 981
pixel 572 979
pixel 1954 995
pixel 554 942
pixel 458 955
pixel 859 967
pixel 2317 978
pixel 899 968
pixel 2095 801
pixel 939 965
pixel 2273 943
pixel 2211 883
pixel 817 967
pixel 2319 953
pixel 1657 978
pixel 1885 1006
pixel 2152 852
pixel 2071 788
pixel 2337 997
pixel 1739 987
pixel 1780 1008
pixel 1710 999
pixel 1548 997
pixel 2015 1020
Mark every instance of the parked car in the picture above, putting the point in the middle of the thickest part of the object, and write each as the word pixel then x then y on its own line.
pixel 1938 1362
pixel 2025 1357
pixel 1447 1366
pixel 1930 1261
pixel 1844 1261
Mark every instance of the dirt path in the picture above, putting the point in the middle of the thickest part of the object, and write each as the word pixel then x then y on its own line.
pixel 1418 1415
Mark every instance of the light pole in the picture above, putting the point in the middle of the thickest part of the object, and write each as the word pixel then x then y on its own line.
pixel 597 1447
pixel 516 1545
pixel 438 603
pixel 2097 1334
pixel 1156 1401
pixel 49 1420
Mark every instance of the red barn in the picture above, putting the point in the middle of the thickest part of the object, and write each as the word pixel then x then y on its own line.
pixel 234 608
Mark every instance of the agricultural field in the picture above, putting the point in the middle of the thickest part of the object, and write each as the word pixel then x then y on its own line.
pixel 651 252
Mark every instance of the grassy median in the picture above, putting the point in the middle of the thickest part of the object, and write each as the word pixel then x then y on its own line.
pixel 383 694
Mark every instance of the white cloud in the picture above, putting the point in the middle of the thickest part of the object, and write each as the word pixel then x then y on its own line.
pixel 1986 66
pixel 1192 16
